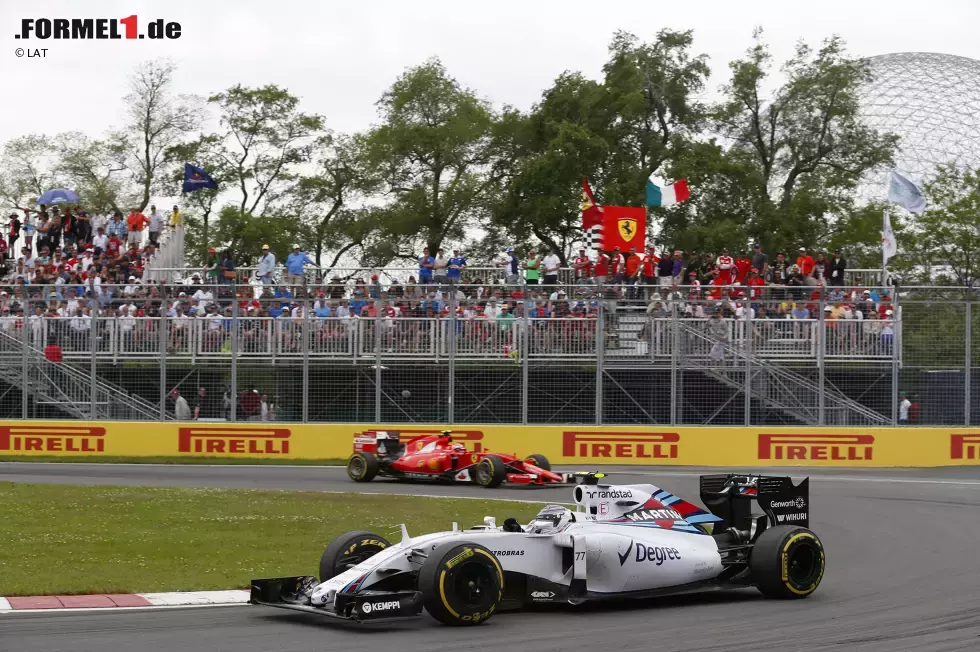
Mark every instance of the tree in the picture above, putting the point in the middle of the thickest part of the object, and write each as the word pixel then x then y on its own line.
pixel 944 243
pixel 157 122
pixel 91 168
pixel 265 138
pixel 805 150
pixel 435 158
pixel 26 170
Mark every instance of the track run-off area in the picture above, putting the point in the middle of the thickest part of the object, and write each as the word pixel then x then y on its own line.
pixel 902 574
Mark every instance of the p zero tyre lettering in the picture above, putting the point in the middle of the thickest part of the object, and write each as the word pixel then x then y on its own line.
pixel 442 594
pixel 787 562
pixel 461 583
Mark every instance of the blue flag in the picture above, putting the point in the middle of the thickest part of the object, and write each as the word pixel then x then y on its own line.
pixel 196 178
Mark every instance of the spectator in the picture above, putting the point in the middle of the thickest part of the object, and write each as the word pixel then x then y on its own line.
pixel 117 227
pixel 726 267
pixel 743 265
pixel 176 218
pixel 181 409
pixel 156 225
pixel 251 405
pixel 295 263
pixel 583 267
pixel 760 260
pixel 648 269
pixel 227 267
pixel 632 272
pixel 821 269
pixel 440 268
pixel 52 352
pixel 532 267
pixel 100 242
pixel 718 334
pixel 800 311
pixel 805 262
pixel 903 410
pixel 456 266
pixel 28 229
pixel 267 266
pixel 13 231
pixel 551 264
pixel 617 266
pixel 755 283
pixel 426 263
pixel 266 411
pixel 602 268
pixel 135 224
pixel 837 268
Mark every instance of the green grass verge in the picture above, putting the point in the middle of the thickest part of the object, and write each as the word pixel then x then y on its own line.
pixel 65 540
pixel 106 459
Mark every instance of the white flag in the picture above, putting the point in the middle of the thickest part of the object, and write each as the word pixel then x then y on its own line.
pixel 905 193
pixel 889 245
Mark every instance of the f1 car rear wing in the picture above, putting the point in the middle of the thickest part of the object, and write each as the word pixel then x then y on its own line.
pixel 730 497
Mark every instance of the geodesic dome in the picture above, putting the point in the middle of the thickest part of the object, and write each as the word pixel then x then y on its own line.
pixel 930 100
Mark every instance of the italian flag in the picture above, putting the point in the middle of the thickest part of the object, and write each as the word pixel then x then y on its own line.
pixel 661 193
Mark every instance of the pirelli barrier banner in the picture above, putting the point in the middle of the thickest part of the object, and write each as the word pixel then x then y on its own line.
pixel 585 446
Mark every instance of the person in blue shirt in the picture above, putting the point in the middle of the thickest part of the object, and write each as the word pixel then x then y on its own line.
pixel 294 266
pixel 456 266
pixel 322 310
pixel 282 293
pixel 275 310
pixel 426 263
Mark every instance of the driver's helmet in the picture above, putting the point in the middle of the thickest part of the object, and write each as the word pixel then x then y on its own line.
pixel 458 448
pixel 552 518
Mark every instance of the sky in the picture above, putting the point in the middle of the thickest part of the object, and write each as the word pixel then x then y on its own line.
pixel 338 57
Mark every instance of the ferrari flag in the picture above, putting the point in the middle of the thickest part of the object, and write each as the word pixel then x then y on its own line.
pixel 591 211
pixel 624 227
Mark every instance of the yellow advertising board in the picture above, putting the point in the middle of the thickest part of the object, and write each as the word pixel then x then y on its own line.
pixel 575 445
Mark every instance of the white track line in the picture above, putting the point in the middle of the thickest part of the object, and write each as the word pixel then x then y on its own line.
pixel 181 598
pixel 4 605
pixel 111 610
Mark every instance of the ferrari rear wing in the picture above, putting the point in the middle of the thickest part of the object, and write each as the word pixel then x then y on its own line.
pixel 730 497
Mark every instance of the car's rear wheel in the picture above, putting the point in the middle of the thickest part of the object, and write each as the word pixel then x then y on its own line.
pixel 787 562
pixel 349 550
pixel 461 583
pixel 490 472
pixel 362 467
pixel 539 461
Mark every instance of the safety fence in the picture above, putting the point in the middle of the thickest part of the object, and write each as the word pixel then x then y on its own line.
pixel 576 354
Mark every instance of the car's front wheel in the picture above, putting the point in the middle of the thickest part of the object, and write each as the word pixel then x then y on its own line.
pixel 787 562
pixel 461 583
pixel 349 550
pixel 490 472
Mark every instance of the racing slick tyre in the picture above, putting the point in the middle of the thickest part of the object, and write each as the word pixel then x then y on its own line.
pixel 461 583
pixel 539 461
pixel 348 550
pixel 362 467
pixel 490 472
pixel 787 562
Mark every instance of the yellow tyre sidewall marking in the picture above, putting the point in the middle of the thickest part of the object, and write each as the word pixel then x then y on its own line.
pixel 466 554
pixel 784 555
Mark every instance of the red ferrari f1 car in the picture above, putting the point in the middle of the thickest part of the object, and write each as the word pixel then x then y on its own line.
pixel 438 457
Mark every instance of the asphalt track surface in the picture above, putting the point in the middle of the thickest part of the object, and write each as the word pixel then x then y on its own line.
pixel 903 574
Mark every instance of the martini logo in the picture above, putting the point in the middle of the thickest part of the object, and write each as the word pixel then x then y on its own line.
pixel 233 441
pixel 627 228
pixel 842 448
pixel 655 515
pixel 964 447
pixel 621 445
pixel 52 439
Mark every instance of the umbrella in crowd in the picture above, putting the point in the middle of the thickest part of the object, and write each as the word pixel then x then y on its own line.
pixel 58 196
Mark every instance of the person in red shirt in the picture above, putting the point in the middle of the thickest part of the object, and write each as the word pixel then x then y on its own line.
pixel 742 267
pixel 583 266
pixel 755 282
pixel 616 266
pixel 601 268
pixel 52 352
pixel 633 263
pixel 805 262
pixel 725 265
pixel 648 269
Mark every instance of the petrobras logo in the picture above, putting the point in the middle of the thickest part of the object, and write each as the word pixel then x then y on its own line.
pixel 620 445
pixel 374 607
pixel 812 447
pixel 508 553
pixel 655 515
pixel 612 493
pixel 220 440
pixel 964 447
pixel 472 438
pixel 52 439
pixel 798 503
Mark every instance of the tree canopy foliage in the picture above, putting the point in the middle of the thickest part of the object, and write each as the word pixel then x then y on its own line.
pixel 776 159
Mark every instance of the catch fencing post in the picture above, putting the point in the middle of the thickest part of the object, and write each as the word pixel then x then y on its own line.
pixel 234 349
pixel 162 341
pixel 306 357
pixel 821 372
pixel 747 406
pixel 377 362
pixel 452 355
pixel 968 378
pixel 93 364
pixel 600 357
pixel 25 328
pixel 675 336
pixel 525 345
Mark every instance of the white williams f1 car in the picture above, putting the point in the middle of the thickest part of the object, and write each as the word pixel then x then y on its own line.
pixel 632 541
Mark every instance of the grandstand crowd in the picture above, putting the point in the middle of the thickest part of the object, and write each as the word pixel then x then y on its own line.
pixel 73 265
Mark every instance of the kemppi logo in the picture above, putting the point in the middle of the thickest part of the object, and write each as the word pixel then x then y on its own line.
pixel 471 438
pixel 964 447
pixel 53 439
pixel 636 445
pixel 235 441
pixel 816 447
